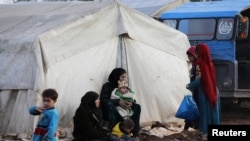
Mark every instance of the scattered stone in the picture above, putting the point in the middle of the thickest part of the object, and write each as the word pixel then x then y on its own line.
pixel 62 132
pixel 9 136
pixel 24 136
pixel 25 140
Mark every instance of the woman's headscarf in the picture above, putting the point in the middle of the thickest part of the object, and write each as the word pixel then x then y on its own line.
pixel 191 51
pixel 88 100
pixel 207 72
pixel 88 103
pixel 115 76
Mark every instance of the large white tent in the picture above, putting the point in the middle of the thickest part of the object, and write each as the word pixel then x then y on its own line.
pixel 153 8
pixel 73 46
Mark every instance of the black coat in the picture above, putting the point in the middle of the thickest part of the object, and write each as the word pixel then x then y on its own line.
pixel 86 126
pixel 109 86
pixel 106 92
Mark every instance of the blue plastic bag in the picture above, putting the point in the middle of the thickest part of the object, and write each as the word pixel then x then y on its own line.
pixel 188 109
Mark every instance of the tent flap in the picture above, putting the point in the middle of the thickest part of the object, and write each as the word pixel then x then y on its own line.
pixel 73 46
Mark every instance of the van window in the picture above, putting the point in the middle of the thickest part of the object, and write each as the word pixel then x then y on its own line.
pixel 198 29
pixel 171 23
pixel 225 29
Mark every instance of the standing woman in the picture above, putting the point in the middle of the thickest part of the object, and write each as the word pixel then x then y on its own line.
pixel 209 98
pixel 109 105
pixel 87 126
pixel 193 60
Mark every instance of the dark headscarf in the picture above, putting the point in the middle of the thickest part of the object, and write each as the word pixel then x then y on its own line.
pixel 207 72
pixel 88 103
pixel 115 76
pixel 88 100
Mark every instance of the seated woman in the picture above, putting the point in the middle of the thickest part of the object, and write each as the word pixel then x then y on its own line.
pixel 109 105
pixel 87 120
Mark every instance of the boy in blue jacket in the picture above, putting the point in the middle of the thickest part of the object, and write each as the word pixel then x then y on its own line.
pixel 47 125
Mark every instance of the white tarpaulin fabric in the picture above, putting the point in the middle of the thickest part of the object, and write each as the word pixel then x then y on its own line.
pixel 73 46
pixel 153 8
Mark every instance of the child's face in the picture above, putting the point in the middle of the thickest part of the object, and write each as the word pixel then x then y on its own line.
pixel 123 90
pixel 48 102
pixel 197 54
pixel 191 58
pixel 129 130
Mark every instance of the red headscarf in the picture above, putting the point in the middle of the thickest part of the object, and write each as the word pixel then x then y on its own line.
pixel 207 72
pixel 191 51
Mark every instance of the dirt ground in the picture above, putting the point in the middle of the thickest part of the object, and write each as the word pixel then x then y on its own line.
pixel 231 114
pixel 173 134
pixel 188 136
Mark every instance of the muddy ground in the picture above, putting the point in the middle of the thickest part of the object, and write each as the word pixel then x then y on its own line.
pixel 231 114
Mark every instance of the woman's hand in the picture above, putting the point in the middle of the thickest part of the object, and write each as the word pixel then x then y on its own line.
pixel 125 104
pixel 129 104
